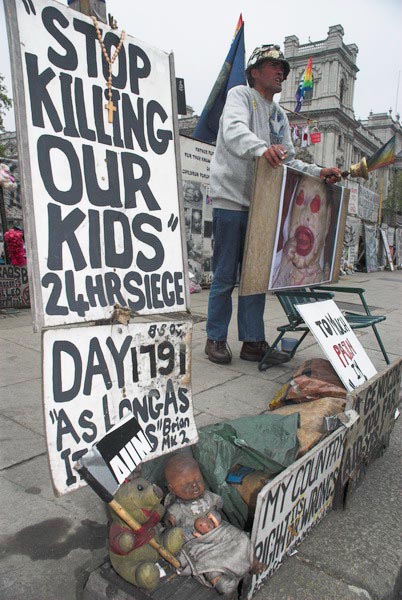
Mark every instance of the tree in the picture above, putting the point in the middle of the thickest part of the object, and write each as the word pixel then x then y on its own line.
pixel 5 101
pixel 393 202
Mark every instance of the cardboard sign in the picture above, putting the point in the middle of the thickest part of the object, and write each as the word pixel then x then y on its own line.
pixel 337 340
pixel 353 206
pixel 387 249
pixel 94 376
pixel 295 501
pixel 14 287
pixel 376 402
pixel 112 460
pixel 102 198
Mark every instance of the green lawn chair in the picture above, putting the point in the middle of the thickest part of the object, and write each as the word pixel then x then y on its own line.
pixel 357 320
pixel 289 299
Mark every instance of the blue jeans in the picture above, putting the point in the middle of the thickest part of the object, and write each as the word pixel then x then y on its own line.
pixel 229 230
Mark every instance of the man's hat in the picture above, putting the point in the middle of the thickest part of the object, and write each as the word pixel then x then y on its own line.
pixel 267 51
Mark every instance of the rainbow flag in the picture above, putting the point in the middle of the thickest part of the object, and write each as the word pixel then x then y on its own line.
pixel 305 85
pixel 383 157
pixel 231 74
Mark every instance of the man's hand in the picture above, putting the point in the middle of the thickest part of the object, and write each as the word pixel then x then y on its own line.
pixel 275 155
pixel 331 175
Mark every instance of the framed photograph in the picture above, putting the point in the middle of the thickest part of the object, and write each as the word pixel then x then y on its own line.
pixel 295 231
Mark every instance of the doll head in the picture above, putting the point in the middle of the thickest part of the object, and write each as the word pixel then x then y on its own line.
pixel 205 524
pixel 183 477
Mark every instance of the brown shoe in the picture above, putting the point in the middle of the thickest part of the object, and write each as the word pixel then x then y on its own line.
pixel 218 352
pixel 253 351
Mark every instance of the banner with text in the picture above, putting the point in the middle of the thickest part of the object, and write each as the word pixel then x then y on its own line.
pixel 336 338
pixel 293 503
pixel 94 376
pixel 105 197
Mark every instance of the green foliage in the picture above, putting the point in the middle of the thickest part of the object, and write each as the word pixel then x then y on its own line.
pixel 393 202
pixel 5 101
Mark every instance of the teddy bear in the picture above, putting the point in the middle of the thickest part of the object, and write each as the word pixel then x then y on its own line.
pixel 131 555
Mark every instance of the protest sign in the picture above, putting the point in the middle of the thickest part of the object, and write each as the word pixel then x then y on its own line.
pixel 290 505
pixel 376 402
pixel 337 340
pixel 14 287
pixel 113 458
pixel 102 198
pixel 94 376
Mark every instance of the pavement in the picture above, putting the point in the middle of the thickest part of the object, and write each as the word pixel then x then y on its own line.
pixel 49 545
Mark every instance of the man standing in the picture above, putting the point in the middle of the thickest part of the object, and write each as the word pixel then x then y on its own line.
pixel 251 125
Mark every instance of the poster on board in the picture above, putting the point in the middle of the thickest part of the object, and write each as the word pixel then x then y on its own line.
pixel 338 341
pixel 292 504
pixel 298 241
pixel 307 231
pixel 94 376
pixel 14 287
pixel 102 197
pixel 370 247
pixel 195 161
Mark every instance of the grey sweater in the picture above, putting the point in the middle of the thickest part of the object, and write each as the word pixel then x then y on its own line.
pixel 249 125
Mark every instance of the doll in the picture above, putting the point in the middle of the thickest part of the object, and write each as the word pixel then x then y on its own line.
pixel 222 555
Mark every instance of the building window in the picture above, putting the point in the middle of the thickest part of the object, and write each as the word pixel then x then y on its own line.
pixel 342 90
pixel 340 141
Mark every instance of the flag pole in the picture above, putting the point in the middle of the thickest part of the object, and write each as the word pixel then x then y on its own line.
pixel 380 203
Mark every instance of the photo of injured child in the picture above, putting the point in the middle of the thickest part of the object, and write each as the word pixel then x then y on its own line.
pixel 307 233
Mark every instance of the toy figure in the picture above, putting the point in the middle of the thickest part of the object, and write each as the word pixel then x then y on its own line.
pixel 203 525
pixel 222 554
pixel 130 554
pixel 302 261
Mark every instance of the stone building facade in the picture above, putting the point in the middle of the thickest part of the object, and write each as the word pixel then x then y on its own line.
pixel 329 108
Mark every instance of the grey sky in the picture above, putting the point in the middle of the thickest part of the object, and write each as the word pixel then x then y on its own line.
pixel 200 33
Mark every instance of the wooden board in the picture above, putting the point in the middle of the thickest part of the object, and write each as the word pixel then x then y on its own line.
pixel 260 238
pixel 375 402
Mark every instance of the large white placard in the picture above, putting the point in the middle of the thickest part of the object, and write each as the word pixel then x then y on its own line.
pixel 336 338
pixel 94 376
pixel 105 216
pixel 295 501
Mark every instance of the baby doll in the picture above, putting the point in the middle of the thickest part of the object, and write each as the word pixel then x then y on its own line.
pixel 222 555
pixel 302 255
pixel 203 525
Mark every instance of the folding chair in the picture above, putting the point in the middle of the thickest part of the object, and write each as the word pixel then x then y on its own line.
pixel 356 320
pixel 288 300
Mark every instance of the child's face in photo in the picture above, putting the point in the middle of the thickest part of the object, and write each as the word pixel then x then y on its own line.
pixel 309 221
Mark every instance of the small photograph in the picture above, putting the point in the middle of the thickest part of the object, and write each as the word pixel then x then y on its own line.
pixel 207 229
pixel 196 221
pixel 207 264
pixel 307 231
pixel 192 192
